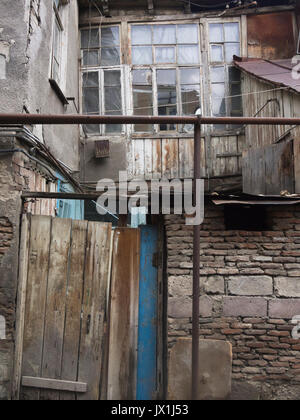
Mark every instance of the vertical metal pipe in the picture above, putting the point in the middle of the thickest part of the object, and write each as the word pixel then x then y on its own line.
pixel 196 272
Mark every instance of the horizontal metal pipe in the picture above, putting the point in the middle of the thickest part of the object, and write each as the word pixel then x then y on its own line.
pixel 133 119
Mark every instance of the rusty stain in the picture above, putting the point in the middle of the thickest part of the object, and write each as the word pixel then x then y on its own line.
pixel 265 38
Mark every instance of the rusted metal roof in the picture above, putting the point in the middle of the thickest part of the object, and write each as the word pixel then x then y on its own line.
pixel 277 72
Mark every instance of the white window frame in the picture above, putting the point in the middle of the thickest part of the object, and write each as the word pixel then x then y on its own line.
pixel 100 71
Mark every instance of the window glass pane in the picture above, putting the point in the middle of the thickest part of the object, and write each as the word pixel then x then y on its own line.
pixel 91 129
pixel 187 34
pixel 113 101
pixel 143 105
pixel 166 77
pixel 231 50
pixel 217 74
pixel 232 32
pixel 113 106
pixel 112 78
pixel 110 56
pixel 90 100
pixel 217 55
pixel 164 34
pixel 218 101
pixel 190 97
pixel 90 79
pixel 165 55
pixel 216 32
pixel 110 36
pixel 142 77
pixel 141 35
pixel 188 54
pixel 90 58
pixel 142 55
pixel 90 38
pixel 167 96
pixel 189 76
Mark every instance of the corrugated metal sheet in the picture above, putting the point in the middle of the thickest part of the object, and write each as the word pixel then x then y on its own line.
pixel 277 72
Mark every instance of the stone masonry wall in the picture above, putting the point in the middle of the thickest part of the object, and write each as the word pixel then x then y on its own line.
pixel 250 292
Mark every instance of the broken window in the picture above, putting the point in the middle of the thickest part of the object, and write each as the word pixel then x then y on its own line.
pixel 225 79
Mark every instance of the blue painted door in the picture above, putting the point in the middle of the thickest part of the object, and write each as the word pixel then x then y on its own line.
pixel 148 302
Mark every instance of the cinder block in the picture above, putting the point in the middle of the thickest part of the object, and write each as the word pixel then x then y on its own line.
pixel 215 370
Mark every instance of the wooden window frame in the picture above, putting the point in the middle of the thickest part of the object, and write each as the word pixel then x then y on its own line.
pixel 166 66
pixel 224 64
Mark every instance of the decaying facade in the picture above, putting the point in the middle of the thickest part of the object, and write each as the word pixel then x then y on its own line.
pixel 149 58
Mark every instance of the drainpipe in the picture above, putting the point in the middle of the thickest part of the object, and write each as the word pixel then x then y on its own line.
pixel 196 271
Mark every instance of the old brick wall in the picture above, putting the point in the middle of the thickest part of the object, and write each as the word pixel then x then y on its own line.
pixel 10 210
pixel 250 292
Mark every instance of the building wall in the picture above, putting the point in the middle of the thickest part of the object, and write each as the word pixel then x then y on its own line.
pixel 26 31
pixel 250 291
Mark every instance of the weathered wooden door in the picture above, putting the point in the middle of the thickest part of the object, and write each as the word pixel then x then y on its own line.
pixel 133 343
pixel 64 269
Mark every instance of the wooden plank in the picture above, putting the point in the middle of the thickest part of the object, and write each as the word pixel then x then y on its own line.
pixel 54 384
pixel 122 365
pixel 73 305
pixel 55 308
pixel 148 158
pixel 156 159
pixel 35 300
pixel 94 307
pixel 170 157
pixel 139 159
pixel 20 316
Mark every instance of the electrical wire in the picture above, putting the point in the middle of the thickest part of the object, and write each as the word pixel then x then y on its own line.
pixel 198 102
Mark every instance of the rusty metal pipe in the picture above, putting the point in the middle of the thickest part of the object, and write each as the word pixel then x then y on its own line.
pixel 196 273
pixel 10 119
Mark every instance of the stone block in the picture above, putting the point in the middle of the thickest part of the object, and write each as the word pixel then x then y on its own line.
pixel 215 370
pixel 287 287
pixel 181 307
pixel 244 306
pixel 284 308
pixel 250 285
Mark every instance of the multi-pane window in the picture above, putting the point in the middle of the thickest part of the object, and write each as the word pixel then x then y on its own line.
pixel 57 43
pixel 165 44
pixel 224 43
pixel 101 94
pixel 168 55
pixel 102 77
pixel 167 76
pixel 101 47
